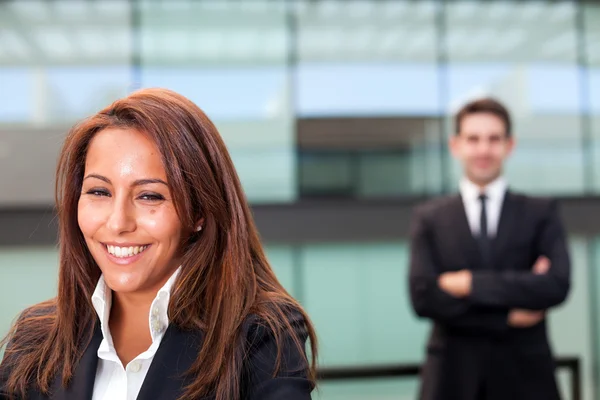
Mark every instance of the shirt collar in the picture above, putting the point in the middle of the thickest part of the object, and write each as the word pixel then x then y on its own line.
pixel 158 319
pixel 494 190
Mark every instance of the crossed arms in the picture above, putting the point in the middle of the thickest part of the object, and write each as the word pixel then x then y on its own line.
pixel 484 300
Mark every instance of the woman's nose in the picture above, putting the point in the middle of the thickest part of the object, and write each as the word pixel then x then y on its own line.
pixel 121 218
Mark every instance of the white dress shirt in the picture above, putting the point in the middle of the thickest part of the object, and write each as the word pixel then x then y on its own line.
pixel 495 192
pixel 113 381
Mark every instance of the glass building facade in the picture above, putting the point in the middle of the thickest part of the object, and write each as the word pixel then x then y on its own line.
pixel 321 99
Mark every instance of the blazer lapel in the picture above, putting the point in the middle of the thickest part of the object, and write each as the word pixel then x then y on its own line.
pixel 176 354
pixel 461 229
pixel 508 216
pixel 82 383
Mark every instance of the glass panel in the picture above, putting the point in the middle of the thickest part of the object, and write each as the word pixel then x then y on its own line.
pixel 33 277
pixel 327 173
pixel 361 286
pixel 373 59
pixel 60 61
pixel 389 174
pixel 282 261
pixel 594 289
pixel 591 21
pixel 367 57
pixel 230 58
pixel 570 324
pixel 376 389
pixel 499 48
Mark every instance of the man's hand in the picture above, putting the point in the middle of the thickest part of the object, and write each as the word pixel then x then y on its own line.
pixel 518 318
pixel 456 283
pixel 541 266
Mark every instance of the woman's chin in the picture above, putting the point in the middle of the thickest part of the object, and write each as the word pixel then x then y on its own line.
pixel 123 282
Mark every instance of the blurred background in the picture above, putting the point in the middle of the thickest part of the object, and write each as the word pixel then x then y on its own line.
pixel 337 115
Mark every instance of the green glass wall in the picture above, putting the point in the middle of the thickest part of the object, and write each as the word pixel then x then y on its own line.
pixel 356 295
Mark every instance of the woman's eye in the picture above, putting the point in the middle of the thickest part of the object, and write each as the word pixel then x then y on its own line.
pixel 151 197
pixel 98 192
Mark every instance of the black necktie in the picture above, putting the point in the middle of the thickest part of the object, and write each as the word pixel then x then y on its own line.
pixel 484 239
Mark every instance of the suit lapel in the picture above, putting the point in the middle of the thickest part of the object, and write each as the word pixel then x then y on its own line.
pixel 165 379
pixel 176 354
pixel 504 232
pixel 461 229
pixel 82 383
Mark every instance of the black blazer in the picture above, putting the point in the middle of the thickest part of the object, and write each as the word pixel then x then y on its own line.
pixel 472 350
pixel 177 351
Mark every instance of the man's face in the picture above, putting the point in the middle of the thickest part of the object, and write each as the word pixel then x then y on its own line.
pixel 481 146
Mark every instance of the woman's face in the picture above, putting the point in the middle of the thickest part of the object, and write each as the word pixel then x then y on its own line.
pixel 126 212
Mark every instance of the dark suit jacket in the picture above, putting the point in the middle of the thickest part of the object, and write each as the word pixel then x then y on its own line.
pixel 178 350
pixel 471 348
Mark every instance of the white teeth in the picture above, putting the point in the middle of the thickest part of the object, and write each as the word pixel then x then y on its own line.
pixel 123 252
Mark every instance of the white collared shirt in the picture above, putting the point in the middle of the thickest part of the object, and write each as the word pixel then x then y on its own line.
pixel 113 381
pixel 495 192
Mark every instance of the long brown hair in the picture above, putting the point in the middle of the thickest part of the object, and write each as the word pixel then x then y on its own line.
pixel 225 277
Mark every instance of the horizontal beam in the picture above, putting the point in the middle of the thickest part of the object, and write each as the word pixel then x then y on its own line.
pixel 306 221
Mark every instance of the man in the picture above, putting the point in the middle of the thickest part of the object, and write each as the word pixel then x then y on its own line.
pixel 485 266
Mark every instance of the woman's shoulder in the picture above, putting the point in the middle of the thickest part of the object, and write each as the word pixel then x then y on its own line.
pixel 275 359
pixel 288 321
pixel 269 336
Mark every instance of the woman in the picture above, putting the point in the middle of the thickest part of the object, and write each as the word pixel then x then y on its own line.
pixel 164 289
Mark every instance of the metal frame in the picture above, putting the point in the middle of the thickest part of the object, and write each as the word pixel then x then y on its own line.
pixel 328 374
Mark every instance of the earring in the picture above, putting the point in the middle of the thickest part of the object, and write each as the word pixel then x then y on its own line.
pixel 199 228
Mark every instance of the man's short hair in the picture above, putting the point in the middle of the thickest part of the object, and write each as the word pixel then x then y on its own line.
pixel 484 105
